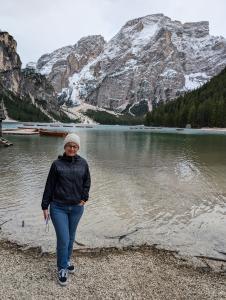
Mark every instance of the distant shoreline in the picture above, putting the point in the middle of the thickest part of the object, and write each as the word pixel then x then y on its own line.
pixel 213 128
pixel 210 129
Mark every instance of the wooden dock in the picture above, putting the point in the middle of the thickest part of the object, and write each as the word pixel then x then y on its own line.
pixel 19 131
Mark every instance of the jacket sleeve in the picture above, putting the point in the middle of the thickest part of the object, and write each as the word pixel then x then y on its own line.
pixel 49 187
pixel 86 184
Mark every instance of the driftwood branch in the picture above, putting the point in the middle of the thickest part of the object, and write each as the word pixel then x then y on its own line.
pixel 80 244
pixel 5 222
pixel 122 236
pixel 210 258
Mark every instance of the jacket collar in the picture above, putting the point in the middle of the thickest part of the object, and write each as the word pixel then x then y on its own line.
pixel 68 158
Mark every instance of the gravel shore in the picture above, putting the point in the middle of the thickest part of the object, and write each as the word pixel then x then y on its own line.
pixel 139 273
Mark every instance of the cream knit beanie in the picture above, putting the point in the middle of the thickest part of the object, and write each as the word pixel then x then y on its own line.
pixel 72 137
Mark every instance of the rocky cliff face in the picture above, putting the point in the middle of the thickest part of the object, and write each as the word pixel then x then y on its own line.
pixel 150 59
pixel 60 65
pixel 24 83
pixel 10 63
pixel 39 89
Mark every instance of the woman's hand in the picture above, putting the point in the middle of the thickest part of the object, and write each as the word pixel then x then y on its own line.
pixel 46 214
pixel 82 202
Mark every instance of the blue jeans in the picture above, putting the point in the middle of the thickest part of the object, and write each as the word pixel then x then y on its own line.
pixel 65 219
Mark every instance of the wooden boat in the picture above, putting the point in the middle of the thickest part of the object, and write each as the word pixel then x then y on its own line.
pixel 10 129
pixel 17 131
pixel 25 127
pixel 179 129
pixel 52 133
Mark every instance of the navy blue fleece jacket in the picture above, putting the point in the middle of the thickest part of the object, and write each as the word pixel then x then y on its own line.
pixel 68 181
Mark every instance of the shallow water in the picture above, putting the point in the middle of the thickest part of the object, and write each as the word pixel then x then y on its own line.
pixel 168 189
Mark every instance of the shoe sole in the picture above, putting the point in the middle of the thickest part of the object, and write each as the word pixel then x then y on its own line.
pixel 71 271
pixel 62 283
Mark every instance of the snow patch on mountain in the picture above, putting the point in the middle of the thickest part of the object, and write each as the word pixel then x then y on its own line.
pixel 169 73
pixel 47 61
pixel 195 80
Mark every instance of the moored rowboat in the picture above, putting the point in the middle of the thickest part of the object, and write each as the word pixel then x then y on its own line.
pixel 52 133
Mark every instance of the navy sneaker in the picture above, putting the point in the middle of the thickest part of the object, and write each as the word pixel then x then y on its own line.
pixel 63 276
pixel 70 267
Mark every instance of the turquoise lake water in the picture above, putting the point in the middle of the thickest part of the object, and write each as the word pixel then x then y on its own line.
pixel 147 187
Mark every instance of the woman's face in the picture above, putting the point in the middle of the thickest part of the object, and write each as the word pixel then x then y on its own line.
pixel 71 149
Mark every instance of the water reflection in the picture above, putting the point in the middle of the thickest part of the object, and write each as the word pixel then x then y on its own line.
pixel 159 188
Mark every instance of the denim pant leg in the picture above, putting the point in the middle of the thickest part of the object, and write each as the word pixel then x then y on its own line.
pixel 74 217
pixel 59 217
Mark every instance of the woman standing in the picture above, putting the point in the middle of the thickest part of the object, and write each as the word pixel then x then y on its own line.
pixel 66 191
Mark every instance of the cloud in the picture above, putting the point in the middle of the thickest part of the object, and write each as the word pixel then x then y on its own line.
pixel 42 26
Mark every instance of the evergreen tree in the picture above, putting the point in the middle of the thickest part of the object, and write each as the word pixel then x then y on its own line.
pixel 205 106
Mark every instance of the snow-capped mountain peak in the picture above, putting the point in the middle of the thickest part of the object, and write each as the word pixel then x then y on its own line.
pixel 151 58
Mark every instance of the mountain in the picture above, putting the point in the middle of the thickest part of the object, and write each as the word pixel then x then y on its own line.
pixel 203 107
pixel 65 62
pixel 10 63
pixel 151 59
pixel 27 95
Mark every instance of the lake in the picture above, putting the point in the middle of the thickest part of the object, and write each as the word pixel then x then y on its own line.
pixel 147 187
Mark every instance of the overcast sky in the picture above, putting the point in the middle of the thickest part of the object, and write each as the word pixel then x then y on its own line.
pixel 41 26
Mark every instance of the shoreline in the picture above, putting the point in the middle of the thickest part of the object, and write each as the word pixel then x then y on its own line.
pixel 141 126
pixel 208 263
pixel 137 273
pixel 213 128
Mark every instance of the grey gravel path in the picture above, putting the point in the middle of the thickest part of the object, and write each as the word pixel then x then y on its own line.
pixel 141 274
